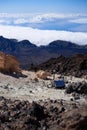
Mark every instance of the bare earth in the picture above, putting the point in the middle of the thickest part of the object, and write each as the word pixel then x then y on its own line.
pixel 26 88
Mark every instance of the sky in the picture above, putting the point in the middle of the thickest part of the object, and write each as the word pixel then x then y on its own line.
pixel 43 6
pixel 60 17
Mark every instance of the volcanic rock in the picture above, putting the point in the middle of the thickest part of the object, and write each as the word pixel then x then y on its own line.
pixel 75 65
pixel 79 87
pixel 44 115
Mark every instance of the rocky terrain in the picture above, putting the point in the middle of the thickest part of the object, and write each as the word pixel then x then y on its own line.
pixel 47 115
pixel 29 87
pixel 28 53
pixel 31 103
pixel 75 65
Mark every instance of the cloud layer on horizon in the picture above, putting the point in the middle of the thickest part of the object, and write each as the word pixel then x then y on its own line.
pixel 42 37
pixel 47 21
pixel 42 29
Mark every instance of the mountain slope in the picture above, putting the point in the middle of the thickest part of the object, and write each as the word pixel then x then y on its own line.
pixel 75 65
pixel 28 53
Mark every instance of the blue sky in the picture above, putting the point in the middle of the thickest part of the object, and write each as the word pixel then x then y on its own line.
pixel 43 6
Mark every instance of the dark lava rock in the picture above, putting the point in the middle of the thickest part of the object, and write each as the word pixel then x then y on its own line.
pixel 76 96
pixel 80 88
pixel 37 111
pixel 73 65
pixel 44 115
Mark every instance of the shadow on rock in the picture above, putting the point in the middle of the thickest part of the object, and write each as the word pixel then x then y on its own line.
pixel 15 75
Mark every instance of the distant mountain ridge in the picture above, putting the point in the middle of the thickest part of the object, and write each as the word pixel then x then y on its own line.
pixel 28 53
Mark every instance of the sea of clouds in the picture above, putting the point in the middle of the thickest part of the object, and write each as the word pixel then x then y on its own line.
pixel 42 37
pixel 41 29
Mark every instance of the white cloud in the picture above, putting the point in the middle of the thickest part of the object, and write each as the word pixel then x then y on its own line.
pixel 70 22
pixel 36 19
pixel 20 21
pixel 4 21
pixel 39 18
pixel 42 37
pixel 48 17
pixel 80 20
pixel 16 15
pixel 1 21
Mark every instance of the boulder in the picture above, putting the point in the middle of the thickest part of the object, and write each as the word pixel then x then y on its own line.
pixel 79 87
pixel 43 74
pixel 74 120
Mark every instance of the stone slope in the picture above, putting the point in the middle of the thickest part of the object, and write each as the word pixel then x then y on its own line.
pixel 75 65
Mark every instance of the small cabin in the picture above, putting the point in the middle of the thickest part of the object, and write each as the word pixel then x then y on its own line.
pixel 59 84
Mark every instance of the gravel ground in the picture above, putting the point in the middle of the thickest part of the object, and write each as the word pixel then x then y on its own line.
pixel 27 88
